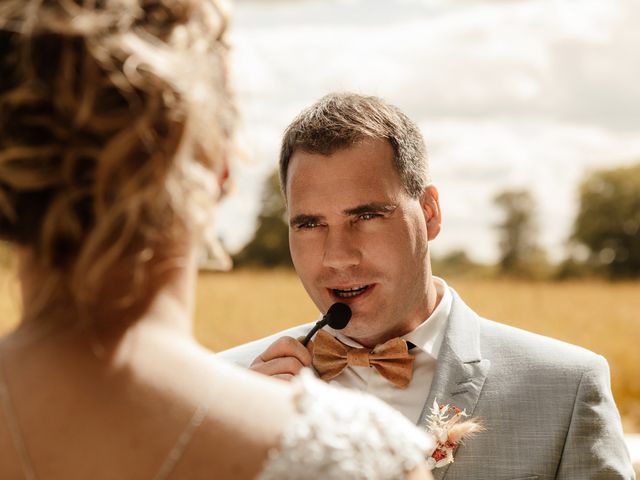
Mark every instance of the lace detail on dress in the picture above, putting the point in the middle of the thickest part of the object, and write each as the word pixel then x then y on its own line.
pixel 341 434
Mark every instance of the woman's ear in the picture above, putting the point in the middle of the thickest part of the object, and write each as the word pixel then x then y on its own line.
pixel 430 203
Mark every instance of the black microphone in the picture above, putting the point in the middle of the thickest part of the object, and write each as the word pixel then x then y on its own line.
pixel 337 317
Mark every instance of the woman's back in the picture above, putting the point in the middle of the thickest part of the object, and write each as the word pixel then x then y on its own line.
pixel 82 416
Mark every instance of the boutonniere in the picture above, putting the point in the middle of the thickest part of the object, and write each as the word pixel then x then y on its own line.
pixel 449 428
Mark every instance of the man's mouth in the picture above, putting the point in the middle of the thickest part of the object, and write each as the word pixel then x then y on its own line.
pixel 350 292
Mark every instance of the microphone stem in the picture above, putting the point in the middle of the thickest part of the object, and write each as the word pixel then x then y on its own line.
pixel 319 324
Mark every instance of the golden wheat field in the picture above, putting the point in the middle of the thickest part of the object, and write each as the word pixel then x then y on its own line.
pixel 604 317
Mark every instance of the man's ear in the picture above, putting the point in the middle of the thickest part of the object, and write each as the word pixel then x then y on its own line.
pixel 430 203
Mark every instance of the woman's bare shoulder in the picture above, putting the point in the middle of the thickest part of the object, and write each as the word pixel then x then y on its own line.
pixel 246 416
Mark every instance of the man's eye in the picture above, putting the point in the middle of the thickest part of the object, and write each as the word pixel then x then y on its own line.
pixel 369 216
pixel 307 225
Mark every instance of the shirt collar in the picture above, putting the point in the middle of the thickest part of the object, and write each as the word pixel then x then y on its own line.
pixel 429 334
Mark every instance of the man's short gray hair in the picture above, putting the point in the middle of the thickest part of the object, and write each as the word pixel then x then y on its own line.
pixel 339 120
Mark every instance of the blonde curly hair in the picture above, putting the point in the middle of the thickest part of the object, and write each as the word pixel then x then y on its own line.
pixel 115 119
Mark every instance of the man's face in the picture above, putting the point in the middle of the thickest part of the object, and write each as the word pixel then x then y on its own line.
pixel 357 237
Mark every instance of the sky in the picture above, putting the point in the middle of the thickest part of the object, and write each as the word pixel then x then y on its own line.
pixel 508 94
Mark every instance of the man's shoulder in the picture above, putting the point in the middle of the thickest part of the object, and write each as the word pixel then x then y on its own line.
pixel 511 345
pixel 536 350
pixel 244 354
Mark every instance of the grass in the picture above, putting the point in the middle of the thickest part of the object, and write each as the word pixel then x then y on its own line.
pixel 604 317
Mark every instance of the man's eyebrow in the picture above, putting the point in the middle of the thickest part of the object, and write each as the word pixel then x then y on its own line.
pixel 371 208
pixel 304 218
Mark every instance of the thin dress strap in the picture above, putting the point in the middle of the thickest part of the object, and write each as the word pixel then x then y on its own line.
pixel 182 443
pixel 14 428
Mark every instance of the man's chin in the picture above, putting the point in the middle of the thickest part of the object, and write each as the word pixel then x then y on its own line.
pixel 359 330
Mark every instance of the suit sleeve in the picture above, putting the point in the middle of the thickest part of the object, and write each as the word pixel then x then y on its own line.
pixel 595 447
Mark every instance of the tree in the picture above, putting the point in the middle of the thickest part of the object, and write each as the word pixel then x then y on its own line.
pixel 608 220
pixel 519 251
pixel 457 263
pixel 270 244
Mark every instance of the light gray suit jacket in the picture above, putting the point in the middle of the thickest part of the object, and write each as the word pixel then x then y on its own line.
pixel 546 405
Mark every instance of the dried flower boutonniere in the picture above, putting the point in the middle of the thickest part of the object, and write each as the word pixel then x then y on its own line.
pixel 448 427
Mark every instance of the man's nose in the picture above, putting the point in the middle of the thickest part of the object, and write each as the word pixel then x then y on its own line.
pixel 341 248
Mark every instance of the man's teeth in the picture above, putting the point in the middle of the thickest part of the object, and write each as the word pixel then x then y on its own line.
pixel 349 292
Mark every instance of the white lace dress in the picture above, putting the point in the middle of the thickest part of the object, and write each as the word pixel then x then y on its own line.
pixel 345 435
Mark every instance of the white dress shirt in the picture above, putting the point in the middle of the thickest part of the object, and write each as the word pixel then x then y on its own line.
pixel 427 338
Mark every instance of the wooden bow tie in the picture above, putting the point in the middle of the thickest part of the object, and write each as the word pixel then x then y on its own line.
pixel 391 359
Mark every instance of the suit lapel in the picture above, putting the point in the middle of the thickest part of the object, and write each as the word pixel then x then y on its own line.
pixel 461 370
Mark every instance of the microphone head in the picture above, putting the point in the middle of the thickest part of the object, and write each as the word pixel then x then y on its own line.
pixel 338 315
